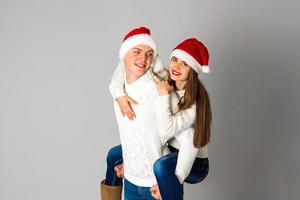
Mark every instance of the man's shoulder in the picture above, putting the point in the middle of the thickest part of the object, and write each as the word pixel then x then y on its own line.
pixel 152 88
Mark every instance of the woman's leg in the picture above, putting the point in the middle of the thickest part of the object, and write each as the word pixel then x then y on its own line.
pixel 199 171
pixel 169 185
pixel 114 157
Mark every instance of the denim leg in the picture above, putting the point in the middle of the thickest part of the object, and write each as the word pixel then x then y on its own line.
pixel 169 185
pixel 134 192
pixel 131 191
pixel 199 171
pixel 114 157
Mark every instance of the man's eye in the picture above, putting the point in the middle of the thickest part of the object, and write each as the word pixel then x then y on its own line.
pixel 150 54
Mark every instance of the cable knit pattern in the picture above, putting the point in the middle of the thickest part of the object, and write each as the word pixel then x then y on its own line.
pixel 180 127
pixel 140 142
pixel 143 139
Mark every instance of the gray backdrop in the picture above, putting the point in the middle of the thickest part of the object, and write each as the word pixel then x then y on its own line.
pixel 56 115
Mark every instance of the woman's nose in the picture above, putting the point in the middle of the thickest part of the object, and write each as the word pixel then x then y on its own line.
pixel 176 65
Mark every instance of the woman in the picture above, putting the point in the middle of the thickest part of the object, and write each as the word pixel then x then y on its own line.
pixel 185 115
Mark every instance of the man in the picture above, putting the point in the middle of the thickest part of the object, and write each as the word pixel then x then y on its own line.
pixel 141 145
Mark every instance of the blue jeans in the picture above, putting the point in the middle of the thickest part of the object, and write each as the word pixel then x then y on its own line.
pixel 169 186
pixel 134 192
pixel 114 157
pixel 164 170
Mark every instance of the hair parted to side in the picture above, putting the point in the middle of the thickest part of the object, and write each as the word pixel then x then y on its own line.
pixel 196 92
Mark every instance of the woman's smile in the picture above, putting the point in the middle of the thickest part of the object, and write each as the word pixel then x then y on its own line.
pixel 175 73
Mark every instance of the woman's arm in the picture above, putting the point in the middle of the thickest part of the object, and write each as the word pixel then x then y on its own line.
pixel 171 125
pixel 117 83
pixel 186 155
pixel 117 90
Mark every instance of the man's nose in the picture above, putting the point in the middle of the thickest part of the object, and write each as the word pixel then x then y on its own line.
pixel 143 56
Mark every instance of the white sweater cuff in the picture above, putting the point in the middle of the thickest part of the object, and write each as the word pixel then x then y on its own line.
pixel 180 177
pixel 118 93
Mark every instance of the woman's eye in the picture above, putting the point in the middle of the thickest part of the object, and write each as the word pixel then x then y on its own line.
pixel 173 59
pixel 184 64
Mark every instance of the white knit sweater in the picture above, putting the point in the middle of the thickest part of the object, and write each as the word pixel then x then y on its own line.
pixel 180 126
pixel 141 144
pixel 143 139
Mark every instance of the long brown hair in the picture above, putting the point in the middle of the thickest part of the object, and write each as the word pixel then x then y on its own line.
pixel 196 92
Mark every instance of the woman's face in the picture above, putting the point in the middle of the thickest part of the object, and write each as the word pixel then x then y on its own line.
pixel 178 69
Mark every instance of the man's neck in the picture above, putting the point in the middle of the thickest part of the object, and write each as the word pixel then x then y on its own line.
pixel 131 79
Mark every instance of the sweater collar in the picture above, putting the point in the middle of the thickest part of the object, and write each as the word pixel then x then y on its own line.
pixel 180 92
pixel 148 76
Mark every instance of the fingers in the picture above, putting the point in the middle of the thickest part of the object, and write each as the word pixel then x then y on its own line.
pixel 159 81
pixel 128 112
pixel 131 101
pixel 156 79
pixel 156 195
pixel 155 192
pixel 116 168
pixel 153 189
pixel 119 169
pixel 162 86
pixel 125 103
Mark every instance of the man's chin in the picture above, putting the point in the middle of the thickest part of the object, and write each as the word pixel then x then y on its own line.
pixel 141 71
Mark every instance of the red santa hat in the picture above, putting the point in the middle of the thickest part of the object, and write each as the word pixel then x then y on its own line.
pixel 139 36
pixel 194 53
pixel 136 37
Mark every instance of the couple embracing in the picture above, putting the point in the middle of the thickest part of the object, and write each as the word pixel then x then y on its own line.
pixel 164 120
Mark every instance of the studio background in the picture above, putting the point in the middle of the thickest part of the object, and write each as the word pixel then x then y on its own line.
pixel 56 114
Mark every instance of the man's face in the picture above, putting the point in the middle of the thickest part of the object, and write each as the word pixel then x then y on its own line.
pixel 138 59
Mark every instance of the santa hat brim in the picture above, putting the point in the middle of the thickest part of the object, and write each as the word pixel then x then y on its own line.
pixel 137 40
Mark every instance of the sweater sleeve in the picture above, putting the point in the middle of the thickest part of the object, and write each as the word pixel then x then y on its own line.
pixel 186 155
pixel 117 82
pixel 171 125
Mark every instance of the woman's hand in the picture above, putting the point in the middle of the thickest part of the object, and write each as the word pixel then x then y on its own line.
pixel 125 103
pixel 155 192
pixel 119 169
pixel 162 86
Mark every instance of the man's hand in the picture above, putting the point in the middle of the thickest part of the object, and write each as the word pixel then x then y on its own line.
pixel 155 192
pixel 119 169
pixel 125 103
pixel 162 86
